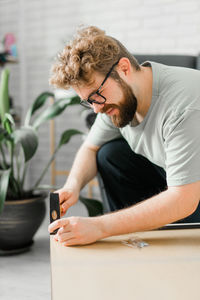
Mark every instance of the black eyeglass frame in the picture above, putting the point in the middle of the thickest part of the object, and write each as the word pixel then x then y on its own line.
pixel 88 102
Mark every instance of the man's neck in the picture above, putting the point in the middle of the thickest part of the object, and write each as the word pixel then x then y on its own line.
pixel 144 93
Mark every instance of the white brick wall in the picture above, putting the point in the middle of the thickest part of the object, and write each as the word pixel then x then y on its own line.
pixel 43 26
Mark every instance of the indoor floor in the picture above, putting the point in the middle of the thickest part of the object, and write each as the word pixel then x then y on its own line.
pixel 27 276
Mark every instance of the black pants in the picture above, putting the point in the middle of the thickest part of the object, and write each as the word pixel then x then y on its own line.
pixel 129 178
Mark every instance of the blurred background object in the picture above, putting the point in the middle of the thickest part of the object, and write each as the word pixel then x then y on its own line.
pixel 8 49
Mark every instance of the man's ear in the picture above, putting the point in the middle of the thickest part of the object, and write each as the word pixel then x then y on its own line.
pixel 124 67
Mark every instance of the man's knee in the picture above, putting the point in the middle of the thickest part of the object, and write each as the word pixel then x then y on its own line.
pixel 109 152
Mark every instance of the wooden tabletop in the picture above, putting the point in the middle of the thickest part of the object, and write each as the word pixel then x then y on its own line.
pixel 168 268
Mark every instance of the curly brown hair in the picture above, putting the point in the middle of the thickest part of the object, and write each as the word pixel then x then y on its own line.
pixel 90 50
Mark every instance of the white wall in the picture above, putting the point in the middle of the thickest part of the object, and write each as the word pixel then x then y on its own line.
pixel 43 26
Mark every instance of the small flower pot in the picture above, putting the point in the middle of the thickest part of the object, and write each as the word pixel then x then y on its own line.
pixel 19 221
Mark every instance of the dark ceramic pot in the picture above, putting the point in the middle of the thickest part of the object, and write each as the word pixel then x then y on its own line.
pixel 19 221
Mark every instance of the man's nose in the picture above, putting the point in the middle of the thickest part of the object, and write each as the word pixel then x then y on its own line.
pixel 97 107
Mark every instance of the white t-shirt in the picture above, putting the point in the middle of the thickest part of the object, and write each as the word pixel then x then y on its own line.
pixel 169 135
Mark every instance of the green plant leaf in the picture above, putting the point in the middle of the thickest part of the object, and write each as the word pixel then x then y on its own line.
pixel 10 118
pixel 94 207
pixel 55 109
pixel 39 102
pixel 66 136
pixel 8 122
pixel 4 96
pixel 28 138
pixel 2 134
pixel 3 187
pixel 74 100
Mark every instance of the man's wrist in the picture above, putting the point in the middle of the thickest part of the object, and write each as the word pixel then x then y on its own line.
pixel 102 226
pixel 71 184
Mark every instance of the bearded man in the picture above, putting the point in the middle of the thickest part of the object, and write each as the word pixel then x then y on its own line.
pixel 145 141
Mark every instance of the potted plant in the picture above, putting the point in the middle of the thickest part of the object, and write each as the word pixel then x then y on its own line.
pixel 22 210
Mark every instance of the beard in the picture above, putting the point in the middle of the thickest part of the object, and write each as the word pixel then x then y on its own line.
pixel 127 107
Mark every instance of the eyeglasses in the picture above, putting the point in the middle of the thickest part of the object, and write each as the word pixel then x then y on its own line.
pixel 99 98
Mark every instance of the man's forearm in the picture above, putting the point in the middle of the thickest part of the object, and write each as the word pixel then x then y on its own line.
pixel 167 207
pixel 83 169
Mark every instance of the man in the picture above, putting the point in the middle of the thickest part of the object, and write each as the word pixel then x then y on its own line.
pixel 145 141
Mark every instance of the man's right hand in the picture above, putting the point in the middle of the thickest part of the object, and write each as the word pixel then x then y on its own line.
pixel 79 176
pixel 67 198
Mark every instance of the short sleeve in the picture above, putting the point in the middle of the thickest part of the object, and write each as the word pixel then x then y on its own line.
pixel 182 149
pixel 102 131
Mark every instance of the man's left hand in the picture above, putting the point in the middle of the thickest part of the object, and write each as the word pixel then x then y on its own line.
pixel 76 230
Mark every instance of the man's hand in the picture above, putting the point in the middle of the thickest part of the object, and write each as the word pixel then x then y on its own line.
pixel 67 198
pixel 83 170
pixel 76 230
